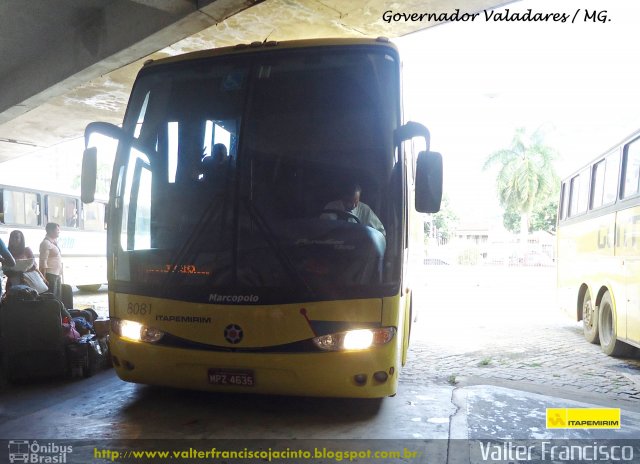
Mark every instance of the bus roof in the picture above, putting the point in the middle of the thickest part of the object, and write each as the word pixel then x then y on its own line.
pixel 273 45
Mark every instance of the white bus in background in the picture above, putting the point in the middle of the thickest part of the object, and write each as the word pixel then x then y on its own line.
pixel 82 230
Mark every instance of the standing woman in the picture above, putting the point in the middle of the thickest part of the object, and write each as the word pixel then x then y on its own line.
pixel 21 252
pixel 51 259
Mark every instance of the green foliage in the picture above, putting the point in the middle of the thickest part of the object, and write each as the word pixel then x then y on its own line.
pixel 444 221
pixel 511 221
pixel 543 217
pixel 526 176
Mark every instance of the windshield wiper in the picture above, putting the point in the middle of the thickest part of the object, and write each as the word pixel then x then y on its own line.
pixel 272 242
pixel 186 250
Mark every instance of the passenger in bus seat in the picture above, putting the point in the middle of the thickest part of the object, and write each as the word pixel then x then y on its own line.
pixel 350 202
pixel 214 167
pixel 51 259
pixel 72 221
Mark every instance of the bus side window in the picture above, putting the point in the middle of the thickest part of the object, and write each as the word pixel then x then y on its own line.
pixel 13 207
pixel 598 184
pixel 611 178
pixel 574 192
pixel 580 187
pixel 631 169
pixel 71 212
pixel 32 209
pixel 56 210
pixel 93 215
pixel 564 213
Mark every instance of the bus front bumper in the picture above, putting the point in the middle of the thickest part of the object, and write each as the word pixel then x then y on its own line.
pixel 371 373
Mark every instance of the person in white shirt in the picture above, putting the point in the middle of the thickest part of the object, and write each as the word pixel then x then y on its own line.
pixel 51 259
pixel 350 203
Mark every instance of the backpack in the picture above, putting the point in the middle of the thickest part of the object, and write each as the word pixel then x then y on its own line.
pixel 21 293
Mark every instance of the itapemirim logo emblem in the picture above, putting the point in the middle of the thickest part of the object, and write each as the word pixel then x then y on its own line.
pixel 556 418
pixel 233 333
pixel 31 451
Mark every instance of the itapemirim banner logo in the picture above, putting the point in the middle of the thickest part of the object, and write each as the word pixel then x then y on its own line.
pixel 583 418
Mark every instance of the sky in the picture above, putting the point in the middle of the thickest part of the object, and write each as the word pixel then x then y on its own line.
pixel 473 83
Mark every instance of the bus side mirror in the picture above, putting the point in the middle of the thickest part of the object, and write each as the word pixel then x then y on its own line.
pixel 410 130
pixel 89 174
pixel 97 134
pixel 428 186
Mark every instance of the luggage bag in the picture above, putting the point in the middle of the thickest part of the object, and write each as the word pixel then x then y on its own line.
pixel 33 342
pixel 87 356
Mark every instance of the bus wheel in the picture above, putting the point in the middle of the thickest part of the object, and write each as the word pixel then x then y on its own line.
pixel 589 319
pixel 607 329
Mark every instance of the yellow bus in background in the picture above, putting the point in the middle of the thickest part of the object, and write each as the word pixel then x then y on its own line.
pixel 226 271
pixel 599 247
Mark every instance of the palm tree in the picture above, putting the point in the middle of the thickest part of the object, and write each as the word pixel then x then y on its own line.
pixel 525 177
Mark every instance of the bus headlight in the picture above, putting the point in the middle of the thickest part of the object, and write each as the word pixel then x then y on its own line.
pixel 357 340
pixel 353 340
pixel 136 331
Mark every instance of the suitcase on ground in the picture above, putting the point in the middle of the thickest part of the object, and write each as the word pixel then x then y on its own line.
pixel 101 327
pixel 87 356
pixel 33 343
pixel 67 296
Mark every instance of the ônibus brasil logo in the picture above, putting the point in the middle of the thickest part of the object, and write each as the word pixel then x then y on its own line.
pixel 33 452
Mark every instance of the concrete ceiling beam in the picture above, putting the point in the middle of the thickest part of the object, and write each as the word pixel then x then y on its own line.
pixel 104 39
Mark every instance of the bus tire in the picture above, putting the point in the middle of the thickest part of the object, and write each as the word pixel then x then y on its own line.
pixel 607 329
pixel 590 319
pixel 90 288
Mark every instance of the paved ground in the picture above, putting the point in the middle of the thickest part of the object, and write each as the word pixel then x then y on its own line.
pixel 500 326
pixel 490 354
pixel 97 300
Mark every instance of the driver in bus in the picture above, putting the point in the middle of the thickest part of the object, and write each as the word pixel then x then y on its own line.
pixel 350 203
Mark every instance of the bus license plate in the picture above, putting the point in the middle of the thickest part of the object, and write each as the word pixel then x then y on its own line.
pixel 231 378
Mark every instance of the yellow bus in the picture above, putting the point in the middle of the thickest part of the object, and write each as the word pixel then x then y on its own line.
pixel 230 266
pixel 599 250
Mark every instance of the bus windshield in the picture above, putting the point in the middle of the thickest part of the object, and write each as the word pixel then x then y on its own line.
pixel 237 159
